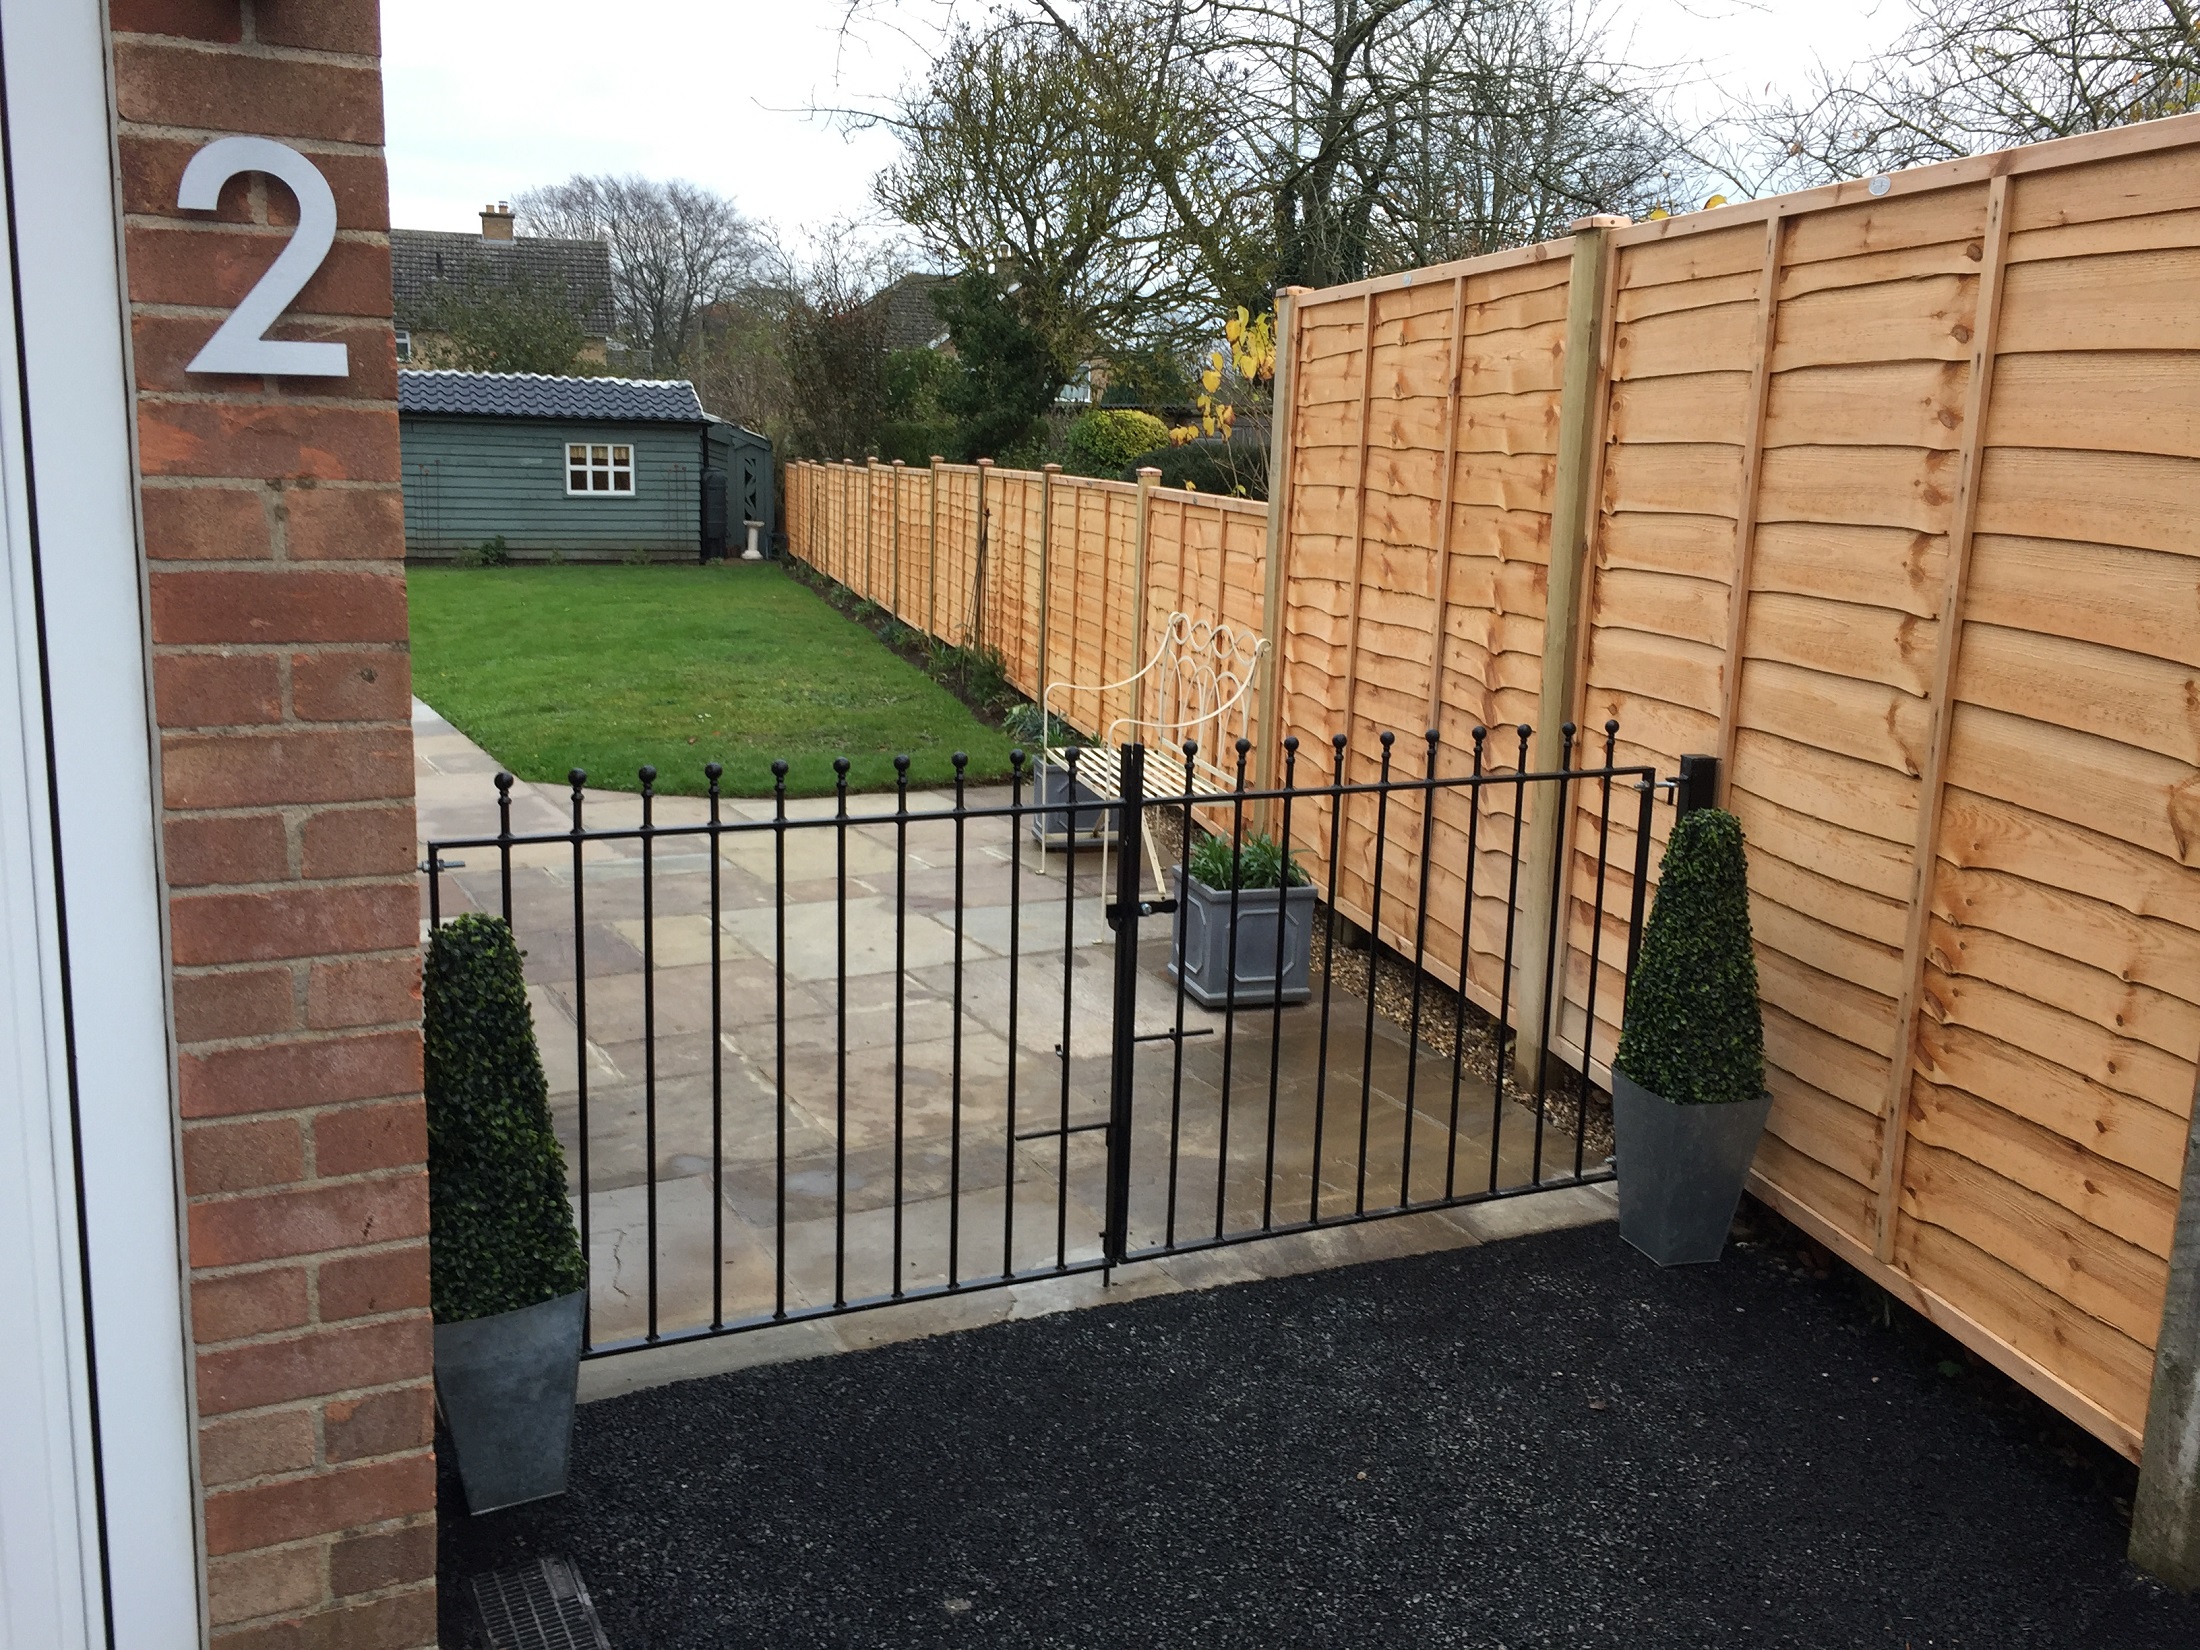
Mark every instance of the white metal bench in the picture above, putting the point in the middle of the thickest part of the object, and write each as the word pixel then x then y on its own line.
pixel 1198 686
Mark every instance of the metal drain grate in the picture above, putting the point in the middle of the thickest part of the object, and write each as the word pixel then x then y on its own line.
pixel 539 1606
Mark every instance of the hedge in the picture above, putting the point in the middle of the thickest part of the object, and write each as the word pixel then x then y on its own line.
pixel 501 1227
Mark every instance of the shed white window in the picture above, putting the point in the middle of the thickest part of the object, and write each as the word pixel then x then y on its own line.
pixel 605 468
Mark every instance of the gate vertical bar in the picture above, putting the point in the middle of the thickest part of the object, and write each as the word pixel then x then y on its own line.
pixel 578 779
pixel 649 1030
pixel 713 773
pixel 1121 1072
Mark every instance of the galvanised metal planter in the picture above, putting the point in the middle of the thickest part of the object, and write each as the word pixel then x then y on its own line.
pixel 1270 922
pixel 1076 816
pixel 506 1387
pixel 1681 1170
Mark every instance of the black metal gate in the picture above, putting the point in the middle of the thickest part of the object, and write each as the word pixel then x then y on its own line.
pixel 812 1059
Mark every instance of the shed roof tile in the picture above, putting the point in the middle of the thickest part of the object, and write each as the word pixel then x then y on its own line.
pixel 538 395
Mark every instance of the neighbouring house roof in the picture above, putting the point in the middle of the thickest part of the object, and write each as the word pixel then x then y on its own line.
pixel 538 395
pixel 423 259
pixel 911 321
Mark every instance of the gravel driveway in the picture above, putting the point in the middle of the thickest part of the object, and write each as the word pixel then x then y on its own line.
pixel 1540 1442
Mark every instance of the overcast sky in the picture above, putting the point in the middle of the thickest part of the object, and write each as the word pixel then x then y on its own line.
pixel 487 97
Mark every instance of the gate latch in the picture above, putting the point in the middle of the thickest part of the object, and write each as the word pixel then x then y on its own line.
pixel 1113 910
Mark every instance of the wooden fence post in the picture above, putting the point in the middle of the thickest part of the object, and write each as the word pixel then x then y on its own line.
pixel 870 528
pixel 893 497
pixel 2165 1514
pixel 1282 406
pixel 1579 417
pixel 974 620
pixel 932 556
pixel 1047 473
pixel 1147 477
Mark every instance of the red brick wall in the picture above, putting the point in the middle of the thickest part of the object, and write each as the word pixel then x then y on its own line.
pixel 282 688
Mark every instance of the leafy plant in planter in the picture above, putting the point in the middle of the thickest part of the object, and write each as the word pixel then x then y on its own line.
pixel 1688 1088
pixel 1025 722
pixel 1244 923
pixel 507 1280
pixel 1090 821
pixel 1260 862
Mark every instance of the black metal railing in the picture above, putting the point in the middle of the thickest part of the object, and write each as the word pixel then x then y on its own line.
pixel 817 1018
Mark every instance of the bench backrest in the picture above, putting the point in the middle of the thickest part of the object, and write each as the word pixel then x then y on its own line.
pixel 1197 685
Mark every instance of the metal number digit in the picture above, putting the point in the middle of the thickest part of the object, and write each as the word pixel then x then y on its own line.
pixel 241 343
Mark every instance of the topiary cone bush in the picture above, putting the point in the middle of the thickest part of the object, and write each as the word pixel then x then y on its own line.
pixel 1693 1032
pixel 501 1228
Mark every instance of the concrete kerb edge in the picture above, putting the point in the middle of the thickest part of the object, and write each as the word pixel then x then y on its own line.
pixel 1296 1253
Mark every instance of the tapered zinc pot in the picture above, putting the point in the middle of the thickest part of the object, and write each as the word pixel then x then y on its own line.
pixel 1688 1090
pixel 507 1281
pixel 1274 927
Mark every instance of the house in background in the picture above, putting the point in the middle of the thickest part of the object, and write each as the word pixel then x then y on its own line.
pixel 426 262
pixel 582 469
pixel 910 320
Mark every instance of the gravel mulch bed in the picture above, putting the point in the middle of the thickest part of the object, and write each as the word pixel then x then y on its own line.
pixel 1541 1442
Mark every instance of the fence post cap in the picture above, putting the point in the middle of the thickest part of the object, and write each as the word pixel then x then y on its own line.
pixel 938 458
pixel 1051 469
pixel 900 463
pixel 985 464
pixel 1599 220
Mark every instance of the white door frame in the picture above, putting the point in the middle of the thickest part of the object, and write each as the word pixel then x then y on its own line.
pixel 99 1536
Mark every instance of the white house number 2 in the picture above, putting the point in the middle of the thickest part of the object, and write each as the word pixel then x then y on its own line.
pixel 241 343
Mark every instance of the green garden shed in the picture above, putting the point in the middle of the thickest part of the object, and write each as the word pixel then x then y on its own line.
pixel 581 469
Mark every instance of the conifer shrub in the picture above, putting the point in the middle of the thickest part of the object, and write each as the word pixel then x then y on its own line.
pixel 500 1226
pixel 1693 1032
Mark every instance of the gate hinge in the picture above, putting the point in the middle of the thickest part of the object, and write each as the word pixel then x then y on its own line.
pixel 1113 910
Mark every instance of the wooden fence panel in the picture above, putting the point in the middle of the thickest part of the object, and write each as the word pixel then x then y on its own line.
pixel 1893 491
pixel 1425 424
pixel 2058 1008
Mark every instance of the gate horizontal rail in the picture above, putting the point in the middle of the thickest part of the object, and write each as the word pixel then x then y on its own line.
pixel 831 1032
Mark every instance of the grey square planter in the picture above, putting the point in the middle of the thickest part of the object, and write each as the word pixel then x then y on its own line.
pixel 1270 922
pixel 1077 816
pixel 1681 1170
pixel 506 1387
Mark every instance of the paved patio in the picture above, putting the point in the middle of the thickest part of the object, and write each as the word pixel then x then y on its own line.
pixel 931 1046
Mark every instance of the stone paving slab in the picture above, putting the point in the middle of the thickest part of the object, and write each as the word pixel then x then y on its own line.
pixel 910 1055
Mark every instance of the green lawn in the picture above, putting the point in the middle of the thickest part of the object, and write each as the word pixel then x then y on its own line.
pixel 606 668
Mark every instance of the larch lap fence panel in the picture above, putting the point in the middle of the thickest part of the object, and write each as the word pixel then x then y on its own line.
pixel 1423 432
pixel 1896 516
pixel 1889 491
pixel 961 552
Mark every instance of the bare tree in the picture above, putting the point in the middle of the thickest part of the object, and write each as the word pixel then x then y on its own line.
pixel 832 341
pixel 676 250
pixel 1368 134
pixel 1009 166
pixel 1973 75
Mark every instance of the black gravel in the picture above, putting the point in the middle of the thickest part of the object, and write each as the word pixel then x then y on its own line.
pixel 1539 1442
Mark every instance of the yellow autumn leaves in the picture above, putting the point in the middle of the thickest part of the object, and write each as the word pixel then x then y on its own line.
pixel 1250 354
